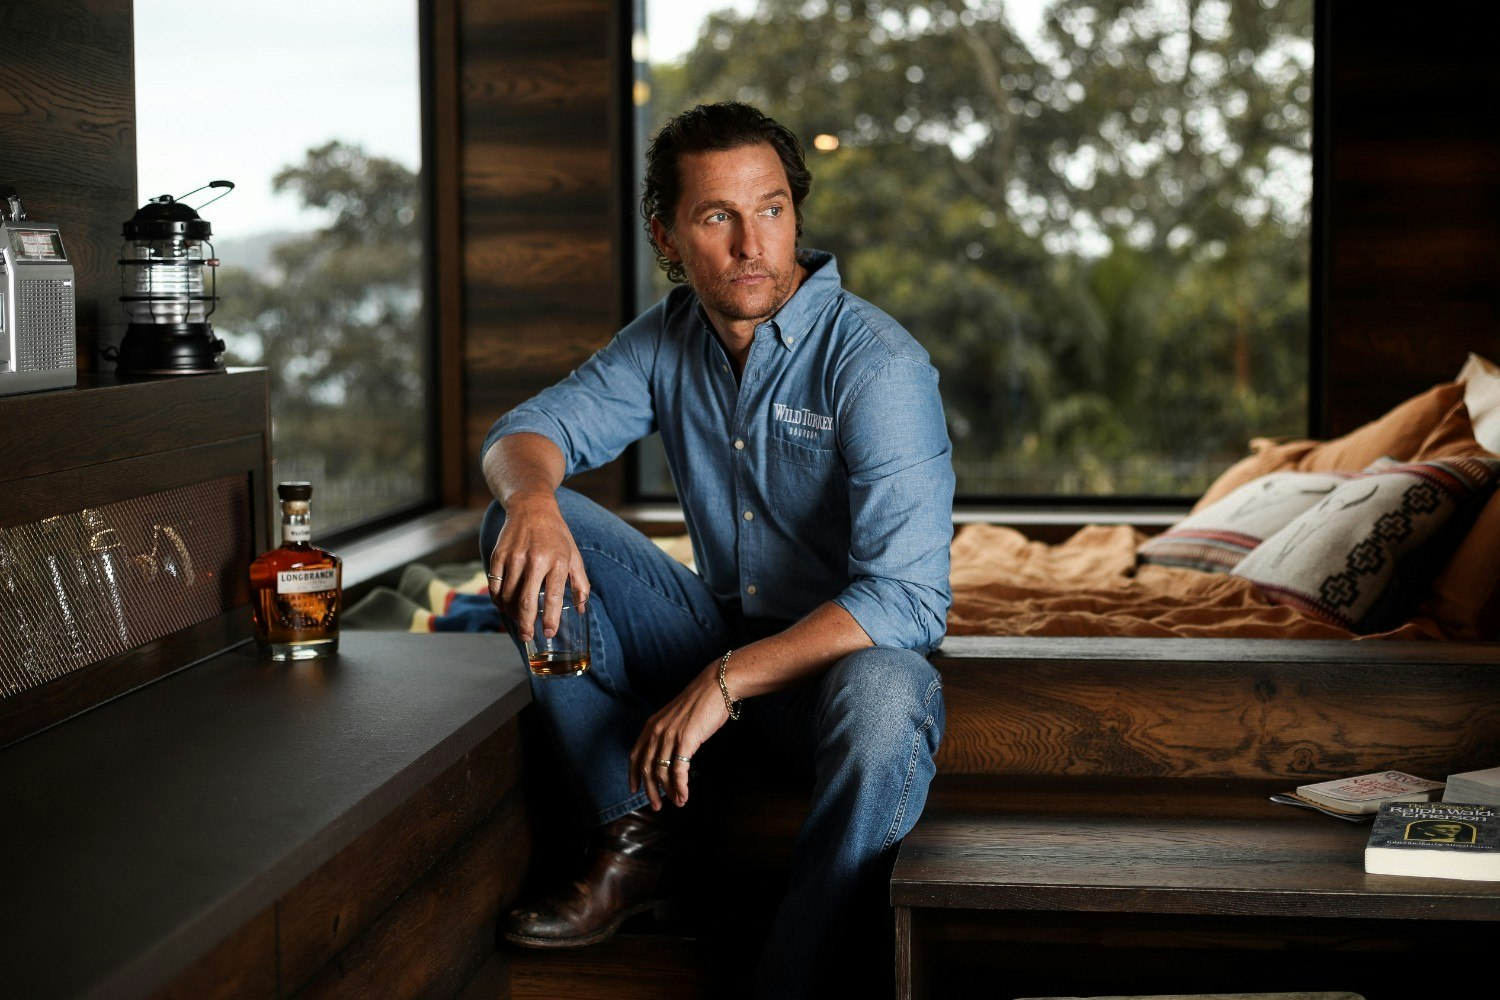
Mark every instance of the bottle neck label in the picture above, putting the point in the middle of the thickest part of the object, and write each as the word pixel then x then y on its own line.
pixel 296 532
pixel 307 581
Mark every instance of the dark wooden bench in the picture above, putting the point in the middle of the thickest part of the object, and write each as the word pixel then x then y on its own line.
pixel 1101 821
pixel 181 819
pixel 339 827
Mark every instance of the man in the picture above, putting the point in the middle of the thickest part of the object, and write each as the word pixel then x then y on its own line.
pixel 805 435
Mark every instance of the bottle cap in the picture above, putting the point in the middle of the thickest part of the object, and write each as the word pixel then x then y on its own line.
pixel 294 491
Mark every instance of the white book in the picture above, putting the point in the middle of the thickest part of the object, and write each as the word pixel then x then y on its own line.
pixel 1482 787
pixel 1366 792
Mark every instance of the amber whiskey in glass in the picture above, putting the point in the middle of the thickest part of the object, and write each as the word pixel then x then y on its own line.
pixel 296 589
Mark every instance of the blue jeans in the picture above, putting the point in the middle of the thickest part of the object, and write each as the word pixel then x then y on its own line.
pixel 868 727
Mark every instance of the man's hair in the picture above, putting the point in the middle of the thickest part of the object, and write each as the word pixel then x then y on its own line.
pixel 711 128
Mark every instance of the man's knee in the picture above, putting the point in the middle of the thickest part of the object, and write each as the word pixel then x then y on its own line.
pixel 582 515
pixel 884 690
pixel 489 531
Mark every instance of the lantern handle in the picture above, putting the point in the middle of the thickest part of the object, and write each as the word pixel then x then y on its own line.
pixel 229 185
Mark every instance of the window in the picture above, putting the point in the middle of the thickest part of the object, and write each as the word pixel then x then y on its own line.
pixel 1095 216
pixel 314 112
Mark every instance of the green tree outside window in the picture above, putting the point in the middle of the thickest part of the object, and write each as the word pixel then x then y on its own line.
pixel 1100 230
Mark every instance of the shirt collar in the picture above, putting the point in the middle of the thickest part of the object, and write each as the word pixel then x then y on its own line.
pixel 794 320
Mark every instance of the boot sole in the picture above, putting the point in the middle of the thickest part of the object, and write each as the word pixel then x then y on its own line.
pixel 583 941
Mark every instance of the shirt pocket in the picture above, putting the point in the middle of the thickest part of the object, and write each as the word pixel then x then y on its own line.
pixel 808 488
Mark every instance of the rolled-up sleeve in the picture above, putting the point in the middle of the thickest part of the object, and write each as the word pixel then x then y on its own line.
pixel 895 444
pixel 601 407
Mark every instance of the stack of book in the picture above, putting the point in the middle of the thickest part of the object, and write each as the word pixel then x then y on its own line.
pixel 1358 798
pixel 1475 787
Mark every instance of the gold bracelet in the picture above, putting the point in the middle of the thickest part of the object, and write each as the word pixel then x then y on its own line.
pixel 730 704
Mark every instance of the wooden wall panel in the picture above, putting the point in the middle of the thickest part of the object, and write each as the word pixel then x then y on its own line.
pixel 541 239
pixel 67 117
pixel 1413 206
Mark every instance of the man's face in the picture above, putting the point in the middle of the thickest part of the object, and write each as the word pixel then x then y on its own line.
pixel 735 232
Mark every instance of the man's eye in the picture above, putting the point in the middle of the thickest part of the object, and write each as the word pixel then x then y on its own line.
pixel 718 217
pixel 774 211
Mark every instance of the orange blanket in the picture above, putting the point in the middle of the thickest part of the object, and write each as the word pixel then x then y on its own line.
pixel 1004 584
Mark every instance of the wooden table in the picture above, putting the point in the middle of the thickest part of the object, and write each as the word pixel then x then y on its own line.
pixel 1202 853
pixel 251 822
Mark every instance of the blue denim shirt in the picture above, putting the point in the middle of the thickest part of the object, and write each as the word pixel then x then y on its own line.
pixel 824 474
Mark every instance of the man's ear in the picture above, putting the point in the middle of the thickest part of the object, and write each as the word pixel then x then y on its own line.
pixel 664 241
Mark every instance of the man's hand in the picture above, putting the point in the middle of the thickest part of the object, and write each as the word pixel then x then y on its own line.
pixel 674 735
pixel 535 552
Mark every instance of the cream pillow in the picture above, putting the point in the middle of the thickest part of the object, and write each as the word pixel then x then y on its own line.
pixel 1481 379
pixel 1217 537
pixel 1364 556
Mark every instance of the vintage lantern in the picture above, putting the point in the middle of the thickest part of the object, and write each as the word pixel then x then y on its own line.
pixel 167 287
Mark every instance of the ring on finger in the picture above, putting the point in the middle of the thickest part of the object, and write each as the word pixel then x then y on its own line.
pixel 664 763
pixel 685 760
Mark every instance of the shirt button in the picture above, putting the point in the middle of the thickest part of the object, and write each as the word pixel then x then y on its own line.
pixel 739 444
pixel 789 341
pixel 750 589
pixel 749 516
pixel 726 368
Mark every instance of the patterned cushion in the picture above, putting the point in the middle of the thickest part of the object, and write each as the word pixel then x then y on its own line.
pixel 1363 557
pixel 1217 537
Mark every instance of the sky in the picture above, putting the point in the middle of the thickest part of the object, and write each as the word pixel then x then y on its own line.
pixel 238 91
pixel 672 25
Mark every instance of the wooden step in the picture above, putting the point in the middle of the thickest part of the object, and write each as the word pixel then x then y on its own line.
pixel 1217 708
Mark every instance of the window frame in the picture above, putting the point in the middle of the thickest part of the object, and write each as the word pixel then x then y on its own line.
pixel 1076 508
pixel 430 315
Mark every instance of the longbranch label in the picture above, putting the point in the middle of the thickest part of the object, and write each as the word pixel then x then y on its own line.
pixel 306 581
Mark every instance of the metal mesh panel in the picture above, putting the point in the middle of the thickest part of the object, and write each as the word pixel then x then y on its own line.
pixel 80 587
pixel 44 309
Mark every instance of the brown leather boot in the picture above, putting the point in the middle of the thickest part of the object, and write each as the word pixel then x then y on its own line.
pixel 619 876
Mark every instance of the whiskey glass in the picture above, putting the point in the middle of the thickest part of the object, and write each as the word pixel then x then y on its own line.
pixel 566 652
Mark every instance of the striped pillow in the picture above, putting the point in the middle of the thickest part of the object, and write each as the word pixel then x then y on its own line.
pixel 1217 537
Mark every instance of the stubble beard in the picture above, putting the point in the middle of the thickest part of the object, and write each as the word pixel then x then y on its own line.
pixel 723 298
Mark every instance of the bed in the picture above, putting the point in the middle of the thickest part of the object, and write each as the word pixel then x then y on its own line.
pixel 1390 532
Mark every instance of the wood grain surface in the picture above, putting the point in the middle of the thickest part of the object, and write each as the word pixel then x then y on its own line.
pixel 541 201
pixel 626 967
pixel 1412 201
pixel 1211 708
pixel 330 909
pixel 242 967
pixel 441 931
pixel 1155 846
pixel 67 112
pixel 105 420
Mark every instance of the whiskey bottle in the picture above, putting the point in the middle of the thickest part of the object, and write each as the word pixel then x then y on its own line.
pixel 295 590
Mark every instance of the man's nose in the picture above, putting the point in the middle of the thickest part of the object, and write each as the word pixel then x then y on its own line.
pixel 749 241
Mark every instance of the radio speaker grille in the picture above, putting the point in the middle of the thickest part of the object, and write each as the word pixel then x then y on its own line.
pixel 44 310
pixel 81 587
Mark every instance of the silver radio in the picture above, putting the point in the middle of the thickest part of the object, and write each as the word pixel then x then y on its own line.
pixel 38 328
